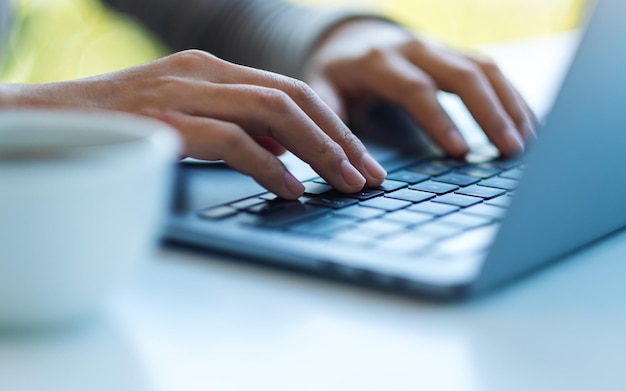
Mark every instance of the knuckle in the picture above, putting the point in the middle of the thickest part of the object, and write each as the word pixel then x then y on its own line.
pixel 301 91
pixel 273 99
pixel 375 55
pixel 419 85
pixel 487 65
pixel 467 72
pixel 192 58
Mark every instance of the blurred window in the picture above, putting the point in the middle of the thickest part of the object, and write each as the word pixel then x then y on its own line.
pixel 63 39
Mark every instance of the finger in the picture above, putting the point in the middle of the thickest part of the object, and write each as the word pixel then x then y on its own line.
pixel 315 108
pixel 455 74
pixel 265 112
pixel 395 79
pixel 212 139
pixel 511 100
pixel 330 96
pixel 271 145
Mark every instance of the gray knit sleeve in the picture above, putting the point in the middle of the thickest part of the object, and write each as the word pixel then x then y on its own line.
pixel 267 34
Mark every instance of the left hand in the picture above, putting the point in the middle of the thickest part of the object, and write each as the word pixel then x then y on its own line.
pixel 362 59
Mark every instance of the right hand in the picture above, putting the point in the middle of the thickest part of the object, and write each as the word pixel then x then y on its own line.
pixel 225 112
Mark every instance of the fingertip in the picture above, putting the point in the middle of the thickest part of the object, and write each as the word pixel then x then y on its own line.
pixel 295 189
pixel 456 145
pixel 512 144
pixel 374 170
pixel 351 176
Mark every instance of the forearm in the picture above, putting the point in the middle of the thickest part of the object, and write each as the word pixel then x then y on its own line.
pixel 266 34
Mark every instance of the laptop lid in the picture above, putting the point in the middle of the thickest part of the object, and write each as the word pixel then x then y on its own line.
pixel 574 187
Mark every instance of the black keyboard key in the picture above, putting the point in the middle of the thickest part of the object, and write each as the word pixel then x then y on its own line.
pixel 333 201
pixel 388 204
pixel 217 213
pixel 269 196
pixel 389 185
pixel 455 178
pixel 465 220
pixel 407 176
pixel 500 183
pixel 432 168
pixel 485 210
pixel 247 203
pixel 502 201
pixel 437 230
pixel 513 174
pixel 360 212
pixel 408 243
pixel 479 172
pixel 269 206
pixel 458 200
pixel 438 188
pixel 433 208
pixel 486 193
pixel 314 188
pixel 407 217
pixel 414 196
pixel 380 227
pixel 292 213
pixel 502 164
pixel 365 194
pixel 323 226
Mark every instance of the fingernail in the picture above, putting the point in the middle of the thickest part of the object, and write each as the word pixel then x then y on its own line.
pixel 293 185
pixel 372 167
pixel 457 143
pixel 351 176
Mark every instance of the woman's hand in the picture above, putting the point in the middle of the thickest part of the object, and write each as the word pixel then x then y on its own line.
pixel 225 112
pixel 361 59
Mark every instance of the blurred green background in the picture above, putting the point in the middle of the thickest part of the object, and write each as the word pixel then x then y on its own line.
pixel 63 39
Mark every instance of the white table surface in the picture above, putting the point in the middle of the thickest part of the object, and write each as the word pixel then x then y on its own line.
pixel 199 322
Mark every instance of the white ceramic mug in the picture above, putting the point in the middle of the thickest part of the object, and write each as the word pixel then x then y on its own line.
pixel 82 199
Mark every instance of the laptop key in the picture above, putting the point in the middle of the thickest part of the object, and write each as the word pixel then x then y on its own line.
pixel 437 230
pixel 438 188
pixel 382 227
pixel 479 172
pixel 513 174
pixel 324 226
pixel 364 194
pixel 407 217
pixel 333 201
pixel 481 191
pixel 485 210
pixel 292 213
pixel 389 185
pixel 502 201
pixel 407 176
pixel 465 220
pixel 217 213
pixel 408 243
pixel 500 183
pixel 359 212
pixel 388 204
pixel 459 200
pixel 247 203
pixel 458 179
pixel 314 188
pixel 433 208
pixel 414 196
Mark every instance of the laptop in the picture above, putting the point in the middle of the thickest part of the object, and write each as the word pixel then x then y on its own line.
pixel 438 228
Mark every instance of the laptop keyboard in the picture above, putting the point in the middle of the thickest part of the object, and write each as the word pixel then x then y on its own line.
pixel 447 203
